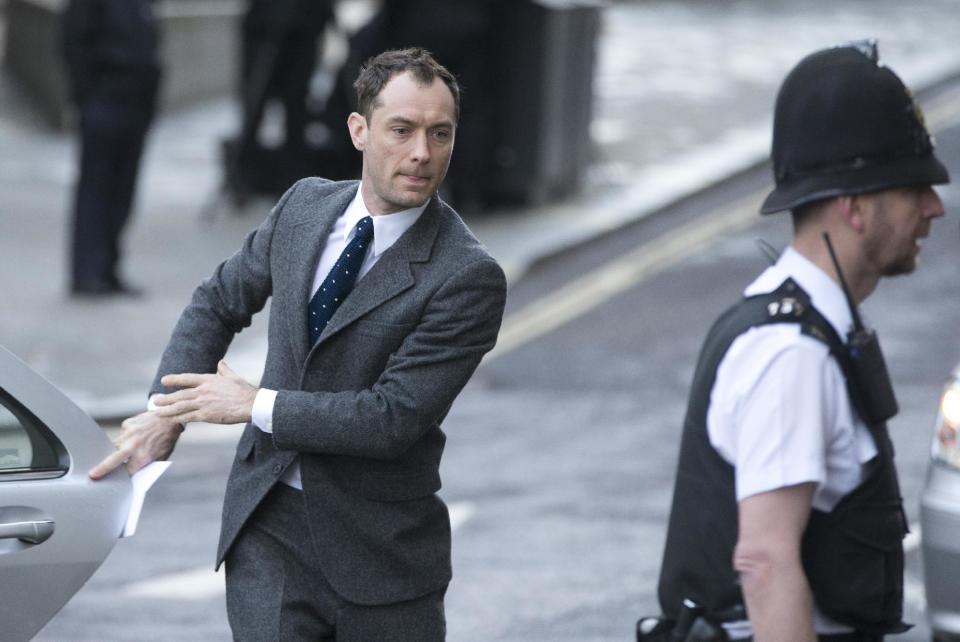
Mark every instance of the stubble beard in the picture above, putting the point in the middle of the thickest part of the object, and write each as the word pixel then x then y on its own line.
pixel 905 264
pixel 887 264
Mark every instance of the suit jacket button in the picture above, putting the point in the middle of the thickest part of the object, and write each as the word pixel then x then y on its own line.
pixel 277 469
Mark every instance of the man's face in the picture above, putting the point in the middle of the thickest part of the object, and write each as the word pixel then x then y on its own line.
pixel 897 219
pixel 406 143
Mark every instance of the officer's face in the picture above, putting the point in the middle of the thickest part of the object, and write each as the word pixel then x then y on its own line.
pixel 406 143
pixel 896 221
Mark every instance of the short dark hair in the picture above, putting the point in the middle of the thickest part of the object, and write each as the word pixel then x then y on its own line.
pixel 378 70
pixel 807 213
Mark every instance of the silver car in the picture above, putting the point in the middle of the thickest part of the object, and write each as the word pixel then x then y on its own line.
pixel 940 518
pixel 56 526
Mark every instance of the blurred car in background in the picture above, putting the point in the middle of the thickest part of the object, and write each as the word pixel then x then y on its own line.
pixel 56 525
pixel 940 518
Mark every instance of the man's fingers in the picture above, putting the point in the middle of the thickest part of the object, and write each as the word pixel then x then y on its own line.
pixel 110 463
pixel 180 396
pixel 144 438
pixel 175 409
pixel 160 401
pixel 182 412
pixel 222 398
pixel 184 380
pixel 183 416
pixel 224 370
pixel 135 464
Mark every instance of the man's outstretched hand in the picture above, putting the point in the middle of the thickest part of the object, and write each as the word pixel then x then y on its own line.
pixel 221 398
pixel 143 439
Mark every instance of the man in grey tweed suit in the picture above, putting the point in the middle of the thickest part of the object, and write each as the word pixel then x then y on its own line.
pixel 332 528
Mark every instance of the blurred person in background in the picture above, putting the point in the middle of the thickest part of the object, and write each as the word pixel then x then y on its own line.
pixel 280 45
pixel 382 305
pixel 110 49
pixel 787 521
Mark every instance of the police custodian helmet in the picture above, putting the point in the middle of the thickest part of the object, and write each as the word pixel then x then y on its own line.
pixel 844 124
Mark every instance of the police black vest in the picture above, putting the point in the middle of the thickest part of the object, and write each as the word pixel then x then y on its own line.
pixel 852 556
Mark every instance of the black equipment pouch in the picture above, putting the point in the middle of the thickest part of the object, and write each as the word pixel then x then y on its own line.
pixel 703 631
pixel 655 629
pixel 690 626
pixel 662 630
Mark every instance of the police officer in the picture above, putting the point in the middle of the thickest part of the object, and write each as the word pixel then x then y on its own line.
pixel 786 521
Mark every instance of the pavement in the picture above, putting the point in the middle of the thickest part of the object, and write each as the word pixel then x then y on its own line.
pixel 683 96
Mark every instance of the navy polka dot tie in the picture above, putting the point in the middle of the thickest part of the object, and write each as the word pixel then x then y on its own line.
pixel 340 280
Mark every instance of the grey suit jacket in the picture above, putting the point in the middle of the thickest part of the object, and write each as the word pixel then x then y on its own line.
pixel 363 406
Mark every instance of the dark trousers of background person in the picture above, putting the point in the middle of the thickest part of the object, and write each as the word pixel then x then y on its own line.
pixel 280 44
pixel 112 134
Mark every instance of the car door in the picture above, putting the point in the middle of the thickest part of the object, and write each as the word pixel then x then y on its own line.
pixel 56 525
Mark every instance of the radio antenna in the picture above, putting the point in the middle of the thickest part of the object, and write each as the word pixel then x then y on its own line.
pixel 857 323
pixel 768 250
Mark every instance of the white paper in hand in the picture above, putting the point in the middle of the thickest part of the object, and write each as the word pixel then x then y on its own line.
pixel 142 480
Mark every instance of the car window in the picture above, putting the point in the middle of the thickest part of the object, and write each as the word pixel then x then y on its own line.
pixel 28 449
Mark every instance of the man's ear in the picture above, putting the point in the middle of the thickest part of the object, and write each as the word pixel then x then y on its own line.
pixel 357 125
pixel 853 211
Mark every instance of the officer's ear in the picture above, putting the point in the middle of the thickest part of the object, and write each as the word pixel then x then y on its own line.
pixel 853 211
pixel 357 125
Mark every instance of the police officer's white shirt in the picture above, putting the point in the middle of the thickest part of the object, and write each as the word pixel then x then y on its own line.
pixel 779 409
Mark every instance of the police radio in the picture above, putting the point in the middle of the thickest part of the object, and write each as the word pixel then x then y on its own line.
pixel 864 366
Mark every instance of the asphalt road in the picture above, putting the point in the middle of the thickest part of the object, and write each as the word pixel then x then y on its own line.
pixel 561 451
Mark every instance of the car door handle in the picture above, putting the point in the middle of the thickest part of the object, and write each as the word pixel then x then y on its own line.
pixel 33 532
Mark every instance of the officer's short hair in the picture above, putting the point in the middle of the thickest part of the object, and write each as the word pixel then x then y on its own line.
pixel 808 213
pixel 378 70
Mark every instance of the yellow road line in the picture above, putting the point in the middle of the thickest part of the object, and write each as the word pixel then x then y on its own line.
pixel 602 284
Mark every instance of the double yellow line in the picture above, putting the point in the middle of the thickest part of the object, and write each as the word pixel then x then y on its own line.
pixel 585 293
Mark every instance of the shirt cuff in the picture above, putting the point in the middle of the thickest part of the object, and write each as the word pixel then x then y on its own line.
pixel 262 413
pixel 151 401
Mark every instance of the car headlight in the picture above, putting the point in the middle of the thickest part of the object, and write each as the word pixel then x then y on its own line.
pixel 946 447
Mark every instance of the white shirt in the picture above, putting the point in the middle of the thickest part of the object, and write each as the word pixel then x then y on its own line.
pixel 779 409
pixel 387 228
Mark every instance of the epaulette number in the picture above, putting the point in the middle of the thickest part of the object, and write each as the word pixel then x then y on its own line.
pixel 785 307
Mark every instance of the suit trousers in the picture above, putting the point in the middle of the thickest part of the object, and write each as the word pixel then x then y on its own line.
pixel 277 591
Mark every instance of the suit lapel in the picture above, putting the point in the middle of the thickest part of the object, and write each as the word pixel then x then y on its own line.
pixel 310 234
pixel 391 275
